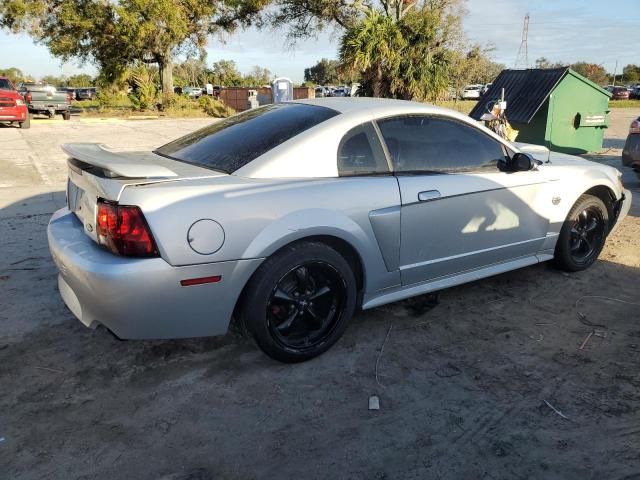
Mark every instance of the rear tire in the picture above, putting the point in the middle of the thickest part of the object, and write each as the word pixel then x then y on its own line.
pixel 66 115
pixel 299 302
pixel 26 123
pixel 583 234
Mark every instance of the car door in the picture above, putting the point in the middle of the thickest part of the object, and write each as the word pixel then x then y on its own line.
pixel 459 211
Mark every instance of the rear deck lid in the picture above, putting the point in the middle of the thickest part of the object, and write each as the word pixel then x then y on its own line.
pixel 97 172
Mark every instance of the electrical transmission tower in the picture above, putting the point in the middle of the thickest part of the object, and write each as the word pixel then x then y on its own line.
pixel 522 60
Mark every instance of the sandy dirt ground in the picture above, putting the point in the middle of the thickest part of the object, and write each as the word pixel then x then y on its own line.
pixel 505 378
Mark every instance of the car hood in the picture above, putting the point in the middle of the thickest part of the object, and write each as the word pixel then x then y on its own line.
pixel 556 159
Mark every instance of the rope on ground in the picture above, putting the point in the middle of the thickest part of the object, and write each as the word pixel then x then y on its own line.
pixel 380 354
pixel 583 317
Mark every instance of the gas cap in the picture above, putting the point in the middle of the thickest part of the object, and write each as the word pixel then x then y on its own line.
pixel 205 236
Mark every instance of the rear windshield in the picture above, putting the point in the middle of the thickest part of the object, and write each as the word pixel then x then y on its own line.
pixel 5 84
pixel 232 143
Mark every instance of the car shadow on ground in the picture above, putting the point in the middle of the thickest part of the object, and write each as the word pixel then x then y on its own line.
pixel 503 377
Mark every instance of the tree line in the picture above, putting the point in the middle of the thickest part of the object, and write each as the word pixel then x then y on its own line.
pixel 190 72
pixel 409 49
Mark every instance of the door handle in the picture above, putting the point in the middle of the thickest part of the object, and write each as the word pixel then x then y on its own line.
pixel 429 195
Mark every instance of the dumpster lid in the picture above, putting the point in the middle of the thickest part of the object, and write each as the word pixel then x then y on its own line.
pixel 525 92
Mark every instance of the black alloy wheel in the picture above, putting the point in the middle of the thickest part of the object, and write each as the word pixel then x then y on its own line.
pixel 587 234
pixel 583 234
pixel 299 301
pixel 306 305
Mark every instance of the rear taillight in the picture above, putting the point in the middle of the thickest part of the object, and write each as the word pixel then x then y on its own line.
pixel 635 126
pixel 28 97
pixel 123 230
pixel 69 97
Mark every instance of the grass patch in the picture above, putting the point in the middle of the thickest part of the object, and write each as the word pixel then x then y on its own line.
pixel 462 106
pixel 117 105
pixel 624 104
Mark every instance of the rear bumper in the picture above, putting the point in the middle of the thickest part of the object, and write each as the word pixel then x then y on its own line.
pixel 13 114
pixel 46 106
pixel 141 298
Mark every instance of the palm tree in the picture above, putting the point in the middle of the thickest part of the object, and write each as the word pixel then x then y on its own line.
pixel 400 49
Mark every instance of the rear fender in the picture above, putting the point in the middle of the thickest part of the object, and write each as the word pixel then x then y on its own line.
pixel 319 222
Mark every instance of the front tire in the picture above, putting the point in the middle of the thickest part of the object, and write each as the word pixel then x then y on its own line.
pixel 583 234
pixel 299 302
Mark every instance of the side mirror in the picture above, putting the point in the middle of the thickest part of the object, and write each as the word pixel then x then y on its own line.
pixel 522 162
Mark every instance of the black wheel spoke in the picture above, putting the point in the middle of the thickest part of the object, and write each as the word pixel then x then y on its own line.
pixel 588 244
pixel 576 245
pixel 592 225
pixel 302 274
pixel 322 291
pixel 288 323
pixel 282 295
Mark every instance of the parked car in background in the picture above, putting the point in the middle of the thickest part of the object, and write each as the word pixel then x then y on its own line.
pixel 321 92
pixel 340 92
pixel 631 151
pixel 292 215
pixel 635 93
pixel 13 108
pixel 472 92
pixel 620 93
pixel 192 92
pixel 86 93
pixel 46 99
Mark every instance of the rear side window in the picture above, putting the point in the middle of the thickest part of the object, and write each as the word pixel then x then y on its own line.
pixel 436 144
pixel 232 143
pixel 360 153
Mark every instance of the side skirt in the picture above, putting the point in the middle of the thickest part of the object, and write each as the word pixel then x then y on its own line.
pixel 400 293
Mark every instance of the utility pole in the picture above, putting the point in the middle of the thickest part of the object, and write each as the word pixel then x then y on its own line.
pixel 523 51
pixel 615 71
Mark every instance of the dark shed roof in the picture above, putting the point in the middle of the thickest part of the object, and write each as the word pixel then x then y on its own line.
pixel 525 92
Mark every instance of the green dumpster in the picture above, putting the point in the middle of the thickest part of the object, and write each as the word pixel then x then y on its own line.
pixel 557 108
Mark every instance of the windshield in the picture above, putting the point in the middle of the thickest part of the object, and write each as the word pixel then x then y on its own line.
pixel 5 84
pixel 232 143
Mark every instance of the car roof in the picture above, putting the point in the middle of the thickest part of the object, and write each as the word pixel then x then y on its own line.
pixel 378 107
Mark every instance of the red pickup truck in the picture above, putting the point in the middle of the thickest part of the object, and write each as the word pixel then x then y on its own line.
pixel 12 106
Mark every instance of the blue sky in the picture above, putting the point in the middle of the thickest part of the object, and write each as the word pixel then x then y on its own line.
pixel 561 30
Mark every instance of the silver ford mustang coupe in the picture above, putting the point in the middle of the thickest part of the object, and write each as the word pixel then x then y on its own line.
pixel 290 216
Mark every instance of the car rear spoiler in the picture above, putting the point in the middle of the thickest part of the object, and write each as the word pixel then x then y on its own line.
pixel 119 164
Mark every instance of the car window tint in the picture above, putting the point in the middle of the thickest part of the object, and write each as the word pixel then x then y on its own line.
pixel 232 143
pixel 437 144
pixel 360 152
pixel 5 84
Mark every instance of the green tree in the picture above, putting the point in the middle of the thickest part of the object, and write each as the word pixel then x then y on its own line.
pixel 80 80
pixel 53 80
pixel 14 74
pixel 304 18
pixel 115 34
pixel 473 67
pixel 403 48
pixel 325 72
pixel 192 72
pixel 545 63
pixel 257 76
pixel 594 72
pixel 226 73
pixel 631 74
